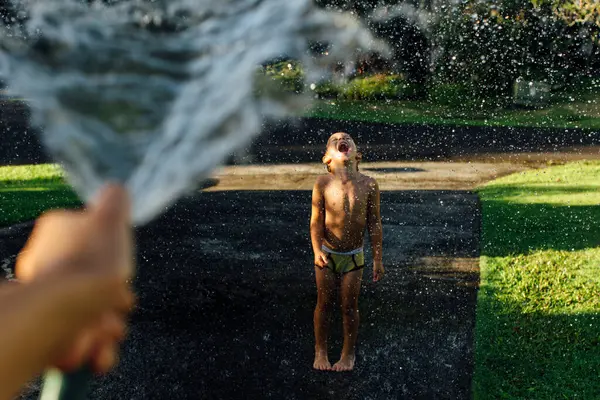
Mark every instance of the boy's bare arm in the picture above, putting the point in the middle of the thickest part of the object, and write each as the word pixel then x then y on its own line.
pixel 317 224
pixel 375 230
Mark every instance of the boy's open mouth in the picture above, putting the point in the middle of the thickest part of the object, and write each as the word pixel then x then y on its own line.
pixel 343 147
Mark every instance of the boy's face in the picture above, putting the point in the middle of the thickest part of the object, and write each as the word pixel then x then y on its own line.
pixel 341 147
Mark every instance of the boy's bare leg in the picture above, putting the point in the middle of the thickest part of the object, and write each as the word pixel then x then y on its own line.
pixel 350 288
pixel 325 291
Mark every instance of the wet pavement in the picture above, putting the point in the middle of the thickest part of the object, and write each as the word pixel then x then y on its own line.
pixel 226 294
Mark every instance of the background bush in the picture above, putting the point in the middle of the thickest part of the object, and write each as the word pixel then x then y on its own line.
pixel 378 87
pixel 374 87
pixel 288 73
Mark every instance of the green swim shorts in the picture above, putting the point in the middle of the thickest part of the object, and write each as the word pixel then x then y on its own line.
pixel 342 263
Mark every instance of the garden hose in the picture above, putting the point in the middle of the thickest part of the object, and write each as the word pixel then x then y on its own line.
pixel 60 385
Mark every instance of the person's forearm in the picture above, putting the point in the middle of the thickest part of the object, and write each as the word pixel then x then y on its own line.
pixel 40 319
pixel 376 235
pixel 317 231
pixel 24 349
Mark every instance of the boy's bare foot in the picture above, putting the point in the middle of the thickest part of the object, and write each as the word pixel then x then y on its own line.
pixel 322 362
pixel 346 363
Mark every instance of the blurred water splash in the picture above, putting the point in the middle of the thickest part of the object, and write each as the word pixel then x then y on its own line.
pixel 6 270
pixel 156 93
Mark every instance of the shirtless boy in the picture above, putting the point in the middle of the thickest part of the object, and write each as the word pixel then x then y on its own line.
pixel 344 204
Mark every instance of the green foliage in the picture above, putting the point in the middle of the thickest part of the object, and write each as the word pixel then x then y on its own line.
pixel 488 44
pixel 377 87
pixel 327 90
pixel 290 76
pixel 288 73
pixel 581 87
pixel 28 191
pixel 490 47
pixel 582 13
pixel 450 94
pixel 538 308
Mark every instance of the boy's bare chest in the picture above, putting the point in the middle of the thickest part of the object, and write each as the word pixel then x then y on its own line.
pixel 346 198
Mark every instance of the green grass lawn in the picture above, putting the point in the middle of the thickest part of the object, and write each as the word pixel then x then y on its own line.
pixel 538 308
pixel 581 113
pixel 27 191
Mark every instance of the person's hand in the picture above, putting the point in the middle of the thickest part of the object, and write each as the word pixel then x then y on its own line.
pixel 88 256
pixel 321 259
pixel 378 271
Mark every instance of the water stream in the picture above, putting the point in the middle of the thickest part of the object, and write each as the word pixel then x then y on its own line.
pixel 155 94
